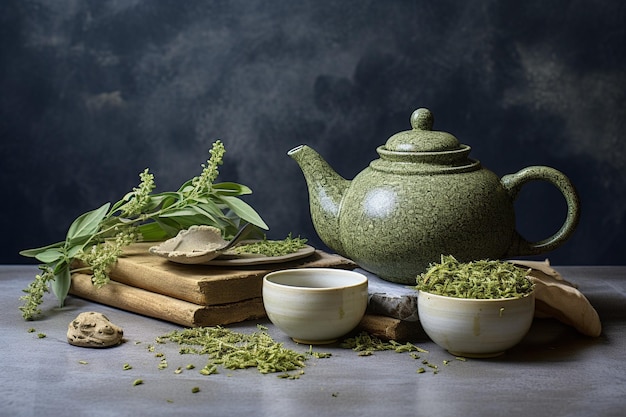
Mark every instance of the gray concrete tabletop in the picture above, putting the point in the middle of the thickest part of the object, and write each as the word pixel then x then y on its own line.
pixel 554 371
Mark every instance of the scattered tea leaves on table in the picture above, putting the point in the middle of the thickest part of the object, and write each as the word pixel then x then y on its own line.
pixel 162 363
pixel 366 344
pixel 233 350
pixel 318 355
pixel 287 375
pixel 209 370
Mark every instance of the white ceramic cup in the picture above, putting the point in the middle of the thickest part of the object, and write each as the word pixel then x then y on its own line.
pixel 315 305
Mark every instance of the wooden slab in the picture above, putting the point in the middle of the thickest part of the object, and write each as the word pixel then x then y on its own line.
pixel 203 284
pixel 166 308
pixel 390 328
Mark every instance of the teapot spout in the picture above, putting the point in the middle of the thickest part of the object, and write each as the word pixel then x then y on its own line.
pixel 326 191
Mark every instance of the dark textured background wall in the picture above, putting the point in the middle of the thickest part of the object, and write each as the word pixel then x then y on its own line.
pixel 93 92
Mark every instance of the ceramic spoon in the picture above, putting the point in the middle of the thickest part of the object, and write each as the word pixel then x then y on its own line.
pixel 241 234
pixel 197 245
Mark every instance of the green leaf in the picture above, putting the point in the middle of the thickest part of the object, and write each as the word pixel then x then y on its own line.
pixel 164 200
pixel 31 253
pixel 61 283
pixel 49 256
pixel 152 232
pixel 204 217
pixel 187 211
pixel 186 186
pixel 185 222
pixel 231 188
pixel 212 208
pixel 169 226
pixel 87 224
pixel 244 210
pixel 81 240
pixel 74 250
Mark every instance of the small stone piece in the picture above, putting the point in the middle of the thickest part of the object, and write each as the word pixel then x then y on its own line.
pixel 95 330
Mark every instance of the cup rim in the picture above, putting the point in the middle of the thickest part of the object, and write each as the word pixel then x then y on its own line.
pixel 361 279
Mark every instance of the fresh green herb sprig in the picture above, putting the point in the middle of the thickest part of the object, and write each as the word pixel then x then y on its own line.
pixel 482 279
pixel 97 238
pixel 271 247
pixel 233 350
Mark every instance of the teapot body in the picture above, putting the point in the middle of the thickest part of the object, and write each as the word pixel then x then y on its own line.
pixel 394 225
pixel 423 198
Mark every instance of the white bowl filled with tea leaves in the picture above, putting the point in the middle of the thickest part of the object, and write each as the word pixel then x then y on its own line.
pixel 476 309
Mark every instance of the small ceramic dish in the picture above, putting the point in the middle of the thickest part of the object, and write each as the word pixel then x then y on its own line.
pixel 315 305
pixel 478 328
pixel 229 258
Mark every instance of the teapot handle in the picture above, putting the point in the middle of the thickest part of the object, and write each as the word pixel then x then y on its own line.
pixel 514 182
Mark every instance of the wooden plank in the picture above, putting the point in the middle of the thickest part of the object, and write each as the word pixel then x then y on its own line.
pixel 390 328
pixel 166 308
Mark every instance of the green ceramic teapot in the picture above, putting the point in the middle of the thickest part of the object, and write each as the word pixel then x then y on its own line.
pixel 422 198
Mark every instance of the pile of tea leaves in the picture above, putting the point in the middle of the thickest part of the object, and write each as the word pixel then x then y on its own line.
pixel 483 279
pixel 233 350
pixel 271 247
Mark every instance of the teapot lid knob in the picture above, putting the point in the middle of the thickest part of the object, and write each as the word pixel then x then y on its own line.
pixel 422 138
pixel 422 119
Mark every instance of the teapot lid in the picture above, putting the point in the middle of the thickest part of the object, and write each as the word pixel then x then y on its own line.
pixel 422 138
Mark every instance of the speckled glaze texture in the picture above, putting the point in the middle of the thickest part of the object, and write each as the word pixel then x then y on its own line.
pixel 422 198
pixel 395 231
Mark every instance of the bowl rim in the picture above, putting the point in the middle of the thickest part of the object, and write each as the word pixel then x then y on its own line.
pixel 304 271
pixel 462 299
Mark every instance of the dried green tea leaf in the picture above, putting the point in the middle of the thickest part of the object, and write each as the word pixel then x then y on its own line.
pixel 482 279
pixel 271 247
pixel 233 350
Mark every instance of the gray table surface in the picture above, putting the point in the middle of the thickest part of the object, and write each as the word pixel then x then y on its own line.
pixel 555 371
